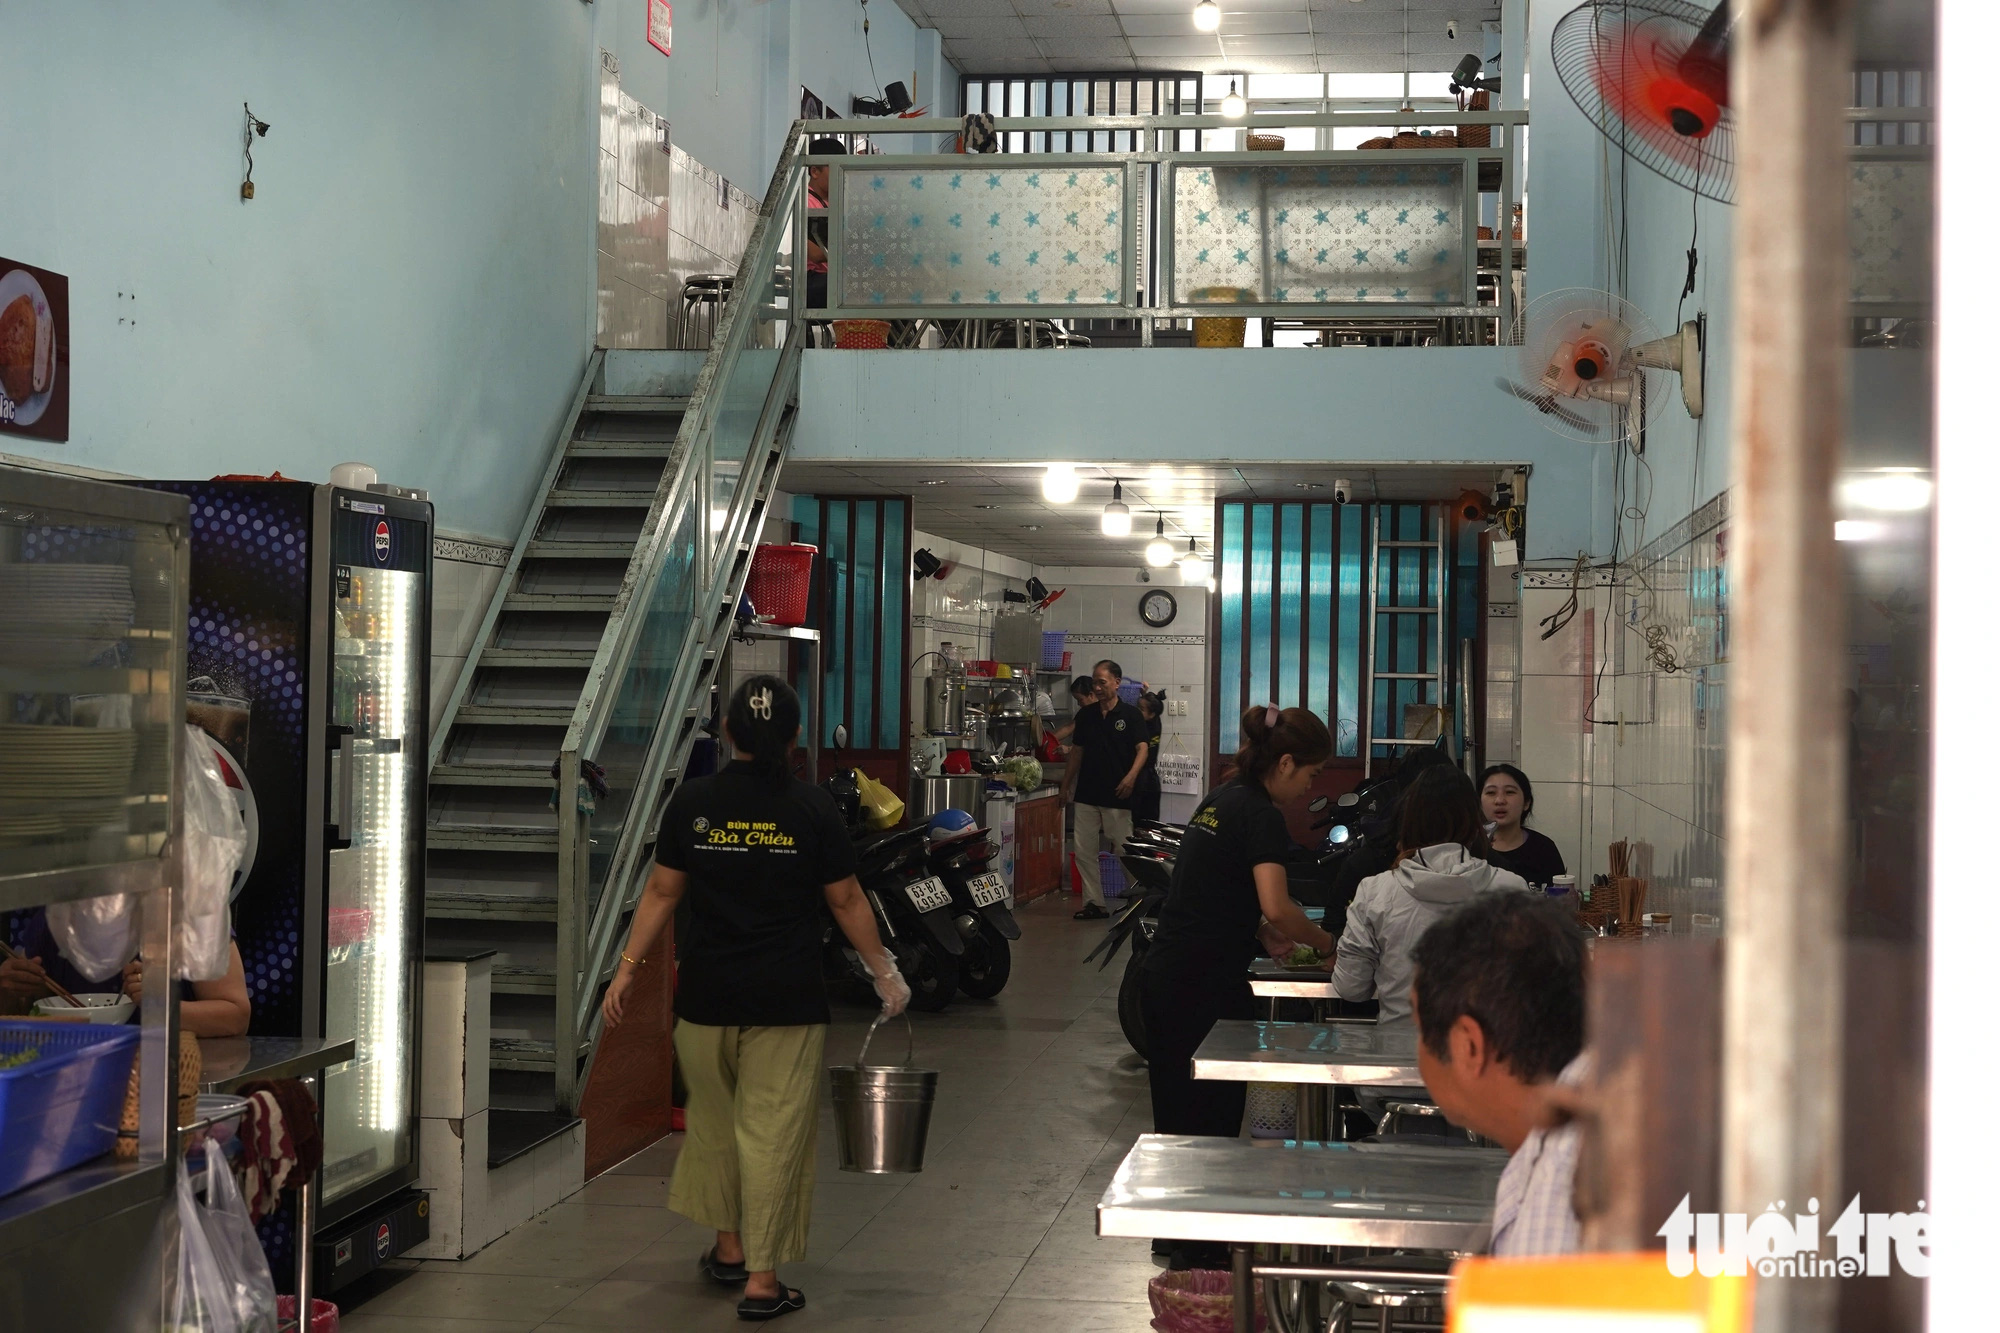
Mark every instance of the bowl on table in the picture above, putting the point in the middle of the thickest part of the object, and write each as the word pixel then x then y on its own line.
pixel 112 1008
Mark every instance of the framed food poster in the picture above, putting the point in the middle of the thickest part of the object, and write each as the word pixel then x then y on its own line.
pixel 34 352
pixel 660 25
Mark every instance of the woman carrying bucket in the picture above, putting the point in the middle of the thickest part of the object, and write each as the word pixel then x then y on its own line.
pixel 751 849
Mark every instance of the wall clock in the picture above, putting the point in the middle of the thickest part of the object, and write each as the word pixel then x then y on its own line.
pixel 1157 608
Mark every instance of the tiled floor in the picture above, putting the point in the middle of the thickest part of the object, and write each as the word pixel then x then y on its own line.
pixel 1038 1100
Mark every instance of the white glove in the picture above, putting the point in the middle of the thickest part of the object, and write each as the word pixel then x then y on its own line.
pixel 889 985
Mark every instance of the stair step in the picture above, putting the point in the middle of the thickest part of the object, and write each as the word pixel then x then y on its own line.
pixel 488 775
pixel 599 500
pixel 511 1133
pixel 449 839
pixel 621 402
pixel 620 448
pixel 524 1053
pixel 520 980
pixel 612 550
pixel 532 601
pixel 452 906
pixel 538 657
pixel 518 715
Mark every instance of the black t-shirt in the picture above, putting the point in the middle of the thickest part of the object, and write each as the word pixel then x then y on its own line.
pixel 1109 741
pixel 758 860
pixel 1537 860
pixel 1208 925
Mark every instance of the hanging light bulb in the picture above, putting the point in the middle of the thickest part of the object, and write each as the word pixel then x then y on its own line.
pixel 1059 484
pixel 1117 519
pixel 1160 551
pixel 1194 569
pixel 1233 106
pixel 1207 16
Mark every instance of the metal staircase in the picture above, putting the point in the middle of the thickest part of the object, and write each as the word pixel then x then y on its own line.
pixel 602 645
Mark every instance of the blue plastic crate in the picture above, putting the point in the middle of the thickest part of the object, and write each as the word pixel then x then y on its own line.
pixel 63 1107
pixel 1111 875
pixel 1053 643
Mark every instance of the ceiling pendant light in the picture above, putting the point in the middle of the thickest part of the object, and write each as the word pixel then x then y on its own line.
pixel 1207 16
pixel 1059 484
pixel 1160 551
pixel 1194 569
pixel 1233 106
pixel 1117 518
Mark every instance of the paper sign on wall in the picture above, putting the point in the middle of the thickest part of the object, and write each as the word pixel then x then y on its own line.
pixel 34 352
pixel 660 25
pixel 1180 772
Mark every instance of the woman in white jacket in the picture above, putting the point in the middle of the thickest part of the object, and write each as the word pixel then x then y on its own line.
pixel 1441 841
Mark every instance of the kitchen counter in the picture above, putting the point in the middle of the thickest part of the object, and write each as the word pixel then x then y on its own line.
pixel 227 1063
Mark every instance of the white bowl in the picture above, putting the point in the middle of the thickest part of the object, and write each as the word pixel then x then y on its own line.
pixel 113 1008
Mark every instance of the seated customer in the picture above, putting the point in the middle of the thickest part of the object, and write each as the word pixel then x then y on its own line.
pixel 218 1008
pixel 1438 866
pixel 1499 1002
pixel 1506 799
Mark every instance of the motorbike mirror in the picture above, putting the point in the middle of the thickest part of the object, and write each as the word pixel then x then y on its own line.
pixel 1350 799
pixel 840 736
pixel 1317 804
pixel 1339 834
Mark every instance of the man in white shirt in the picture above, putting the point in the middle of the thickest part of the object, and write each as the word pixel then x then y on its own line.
pixel 1499 1002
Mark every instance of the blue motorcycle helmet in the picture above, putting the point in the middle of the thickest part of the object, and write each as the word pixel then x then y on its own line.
pixel 950 825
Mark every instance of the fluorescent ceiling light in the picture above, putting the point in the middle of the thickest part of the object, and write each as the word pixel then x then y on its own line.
pixel 1893 491
pixel 1160 551
pixel 1858 530
pixel 1233 106
pixel 1117 518
pixel 1059 483
pixel 1207 16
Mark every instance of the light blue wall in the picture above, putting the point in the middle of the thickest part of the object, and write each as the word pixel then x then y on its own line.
pixel 413 285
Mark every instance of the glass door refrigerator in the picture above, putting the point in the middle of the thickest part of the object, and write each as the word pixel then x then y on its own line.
pixel 309 660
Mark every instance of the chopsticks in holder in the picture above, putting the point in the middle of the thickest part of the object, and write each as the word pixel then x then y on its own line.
pixel 50 981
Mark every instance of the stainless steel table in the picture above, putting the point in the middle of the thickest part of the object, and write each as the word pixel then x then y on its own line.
pixel 1325 1053
pixel 1271 980
pixel 1308 1194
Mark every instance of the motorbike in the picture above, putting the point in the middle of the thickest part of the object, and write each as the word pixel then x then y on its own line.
pixel 979 912
pixel 913 908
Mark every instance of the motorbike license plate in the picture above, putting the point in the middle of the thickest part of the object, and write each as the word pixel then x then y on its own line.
pixel 986 889
pixel 929 895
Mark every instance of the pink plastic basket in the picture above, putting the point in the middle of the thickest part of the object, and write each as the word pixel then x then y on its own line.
pixel 1197 1301
pixel 326 1315
pixel 780 582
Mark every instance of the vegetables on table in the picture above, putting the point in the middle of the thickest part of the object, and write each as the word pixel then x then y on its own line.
pixel 26 1056
pixel 1303 956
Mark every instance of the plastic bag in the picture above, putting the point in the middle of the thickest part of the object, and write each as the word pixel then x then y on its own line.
pixel 880 807
pixel 238 1255
pixel 213 841
pixel 200 1302
pixel 97 935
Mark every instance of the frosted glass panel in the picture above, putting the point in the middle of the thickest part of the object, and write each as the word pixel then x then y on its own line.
pixel 1013 235
pixel 1889 229
pixel 1332 232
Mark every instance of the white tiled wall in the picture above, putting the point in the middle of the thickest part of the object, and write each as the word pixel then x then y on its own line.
pixel 959 608
pixel 661 217
pixel 1618 746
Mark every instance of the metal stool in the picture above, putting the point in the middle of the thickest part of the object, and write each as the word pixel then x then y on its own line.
pixel 1425 1300
pixel 702 299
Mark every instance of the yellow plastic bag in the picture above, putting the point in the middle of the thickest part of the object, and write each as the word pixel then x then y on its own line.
pixel 882 808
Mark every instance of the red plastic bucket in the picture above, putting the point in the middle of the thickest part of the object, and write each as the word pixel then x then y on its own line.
pixel 326 1315
pixel 780 582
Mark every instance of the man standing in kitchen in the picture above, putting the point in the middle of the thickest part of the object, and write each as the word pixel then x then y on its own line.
pixel 1107 753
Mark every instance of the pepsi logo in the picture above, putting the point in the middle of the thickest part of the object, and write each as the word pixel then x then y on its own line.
pixel 382 541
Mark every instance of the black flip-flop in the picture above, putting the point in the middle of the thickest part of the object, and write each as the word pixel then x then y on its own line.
pixel 723 1275
pixel 787 1300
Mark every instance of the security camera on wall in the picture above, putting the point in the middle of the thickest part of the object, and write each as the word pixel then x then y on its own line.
pixel 1343 491
pixel 1451 29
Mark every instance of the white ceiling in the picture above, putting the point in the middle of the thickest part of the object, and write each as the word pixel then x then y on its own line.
pixel 1257 36
pixel 999 507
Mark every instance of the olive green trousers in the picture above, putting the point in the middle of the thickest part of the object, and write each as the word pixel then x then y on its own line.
pixel 752 1127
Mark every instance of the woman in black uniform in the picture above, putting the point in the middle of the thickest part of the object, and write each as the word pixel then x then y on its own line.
pixel 1230 873
pixel 1146 791
pixel 754 850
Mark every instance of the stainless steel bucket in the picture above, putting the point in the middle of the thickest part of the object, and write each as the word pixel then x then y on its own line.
pixel 882 1113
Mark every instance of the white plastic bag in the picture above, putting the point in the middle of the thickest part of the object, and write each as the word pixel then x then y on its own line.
pixel 213 841
pixel 240 1258
pixel 97 935
pixel 201 1299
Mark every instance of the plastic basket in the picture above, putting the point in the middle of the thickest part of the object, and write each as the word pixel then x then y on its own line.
pixel 326 1315
pixel 1199 1300
pixel 861 334
pixel 1053 657
pixel 61 1108
pixel 780 582
pixel 1273 1110
pixel 1110 875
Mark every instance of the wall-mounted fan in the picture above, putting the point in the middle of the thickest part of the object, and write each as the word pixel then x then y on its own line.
pixel 1585 362
pixel 1653 75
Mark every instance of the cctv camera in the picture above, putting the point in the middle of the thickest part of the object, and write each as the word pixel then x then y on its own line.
pixel 1451 29
pixel 1343 492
